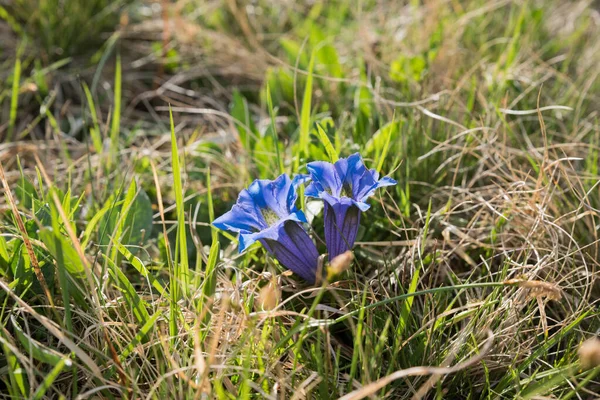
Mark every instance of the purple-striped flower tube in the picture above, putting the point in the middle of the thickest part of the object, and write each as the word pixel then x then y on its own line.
pixel 344 188
pixel 266 212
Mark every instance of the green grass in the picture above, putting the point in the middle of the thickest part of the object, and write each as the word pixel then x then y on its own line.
pixel 474 277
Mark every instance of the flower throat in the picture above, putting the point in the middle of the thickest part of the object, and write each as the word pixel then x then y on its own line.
pixel 270 216
pixel 346 190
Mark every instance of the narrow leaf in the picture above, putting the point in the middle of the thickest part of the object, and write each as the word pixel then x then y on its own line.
pixel 14 99
pixel 306 109
pixel 51 377
pixel 116 112
pixel 95 128
pixel 182 267
pixel 333 156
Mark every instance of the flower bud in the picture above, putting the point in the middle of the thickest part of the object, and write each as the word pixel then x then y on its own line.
pixel 339 264
pixel 269 296
pixel 589 353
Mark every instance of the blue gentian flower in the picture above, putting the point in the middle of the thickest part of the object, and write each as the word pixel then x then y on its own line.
pixel 266 212
pixel 344 188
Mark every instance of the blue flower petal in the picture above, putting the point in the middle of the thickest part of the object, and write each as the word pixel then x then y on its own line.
pixel 348 177
pixel 272 195
pixel 297 216
pixel 248 239
pixel 374 174
pixel 300 179
pixel 342 221
pixel 367 191
pixel 324 179
pixel 342 167
pixel 266 212
pixel 243 217
pixel 362 206
pixel 344 187
pixel 386 181
pixel 295 250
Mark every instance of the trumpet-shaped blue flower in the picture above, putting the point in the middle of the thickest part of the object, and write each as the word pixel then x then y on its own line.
pixel 344 188
pixel 266 212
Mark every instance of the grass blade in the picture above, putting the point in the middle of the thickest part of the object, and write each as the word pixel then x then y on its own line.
pixel 274 129
pixel 139 266
pixel 121 222
pixel 95 129
pixel 181 266
pixel 116 113
pixel 51 377
pixel 14 99
pixel 386 146
pixel 412 288
pixel 333 156
pixel 18 382
pixel 139 337
pixel 306 111
pixel 130 296
pixel 35 348
pixel 540 351
pixel 93 223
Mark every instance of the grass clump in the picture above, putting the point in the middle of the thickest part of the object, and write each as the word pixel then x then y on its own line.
pixel 64 28
pixel 474 277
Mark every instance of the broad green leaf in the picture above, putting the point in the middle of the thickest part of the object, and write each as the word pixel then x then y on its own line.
pixel 55 242
pixel 386 146
pixel 25 192
pixel 4 257
pixel 387 133
pixel 20 264
pixel 292 50
pixel 34 348
pixel 281 85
